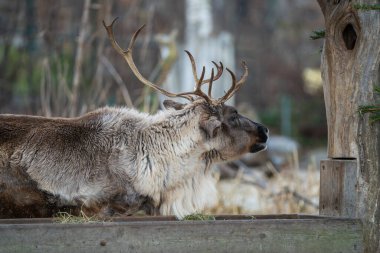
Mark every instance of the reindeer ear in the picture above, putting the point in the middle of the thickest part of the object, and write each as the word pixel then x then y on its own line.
pixel 211 126
pixel 173 104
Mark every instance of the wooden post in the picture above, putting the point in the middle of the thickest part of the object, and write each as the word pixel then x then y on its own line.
pixel 338 195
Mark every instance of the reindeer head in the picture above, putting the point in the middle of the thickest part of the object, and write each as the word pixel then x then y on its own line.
pixel 227 134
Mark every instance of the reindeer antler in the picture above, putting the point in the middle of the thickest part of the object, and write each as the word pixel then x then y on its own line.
pixel 194 69
pixel 128 56
pixel 235 85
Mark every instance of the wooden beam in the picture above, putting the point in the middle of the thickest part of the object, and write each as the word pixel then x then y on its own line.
pixel 338 188
pixel 254 235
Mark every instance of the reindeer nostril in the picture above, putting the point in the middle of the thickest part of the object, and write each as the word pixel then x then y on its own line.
pixel 262 133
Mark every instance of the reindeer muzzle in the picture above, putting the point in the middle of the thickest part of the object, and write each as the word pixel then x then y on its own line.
pixel 262 137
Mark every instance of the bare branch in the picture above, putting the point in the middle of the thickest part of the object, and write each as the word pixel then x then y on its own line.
pixel 123 87
pixel 80 56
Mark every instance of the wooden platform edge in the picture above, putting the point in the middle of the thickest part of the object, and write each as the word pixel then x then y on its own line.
pixel 255 235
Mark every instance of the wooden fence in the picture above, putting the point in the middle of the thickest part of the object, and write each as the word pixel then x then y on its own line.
pixel 267 233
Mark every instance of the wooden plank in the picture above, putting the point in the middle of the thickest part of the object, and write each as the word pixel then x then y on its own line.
pixel 171 218
pixel 338 193
pixel 256 235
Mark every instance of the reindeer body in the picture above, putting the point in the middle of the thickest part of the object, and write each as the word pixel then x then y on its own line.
pixel 117 160
pixel 109 156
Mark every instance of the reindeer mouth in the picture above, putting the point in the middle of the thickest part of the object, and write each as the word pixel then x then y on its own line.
pixel 257 147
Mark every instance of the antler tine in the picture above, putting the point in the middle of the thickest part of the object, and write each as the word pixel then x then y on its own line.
pixel 128 57
pixel 232 88
pixel 198 91
pixel 235 85
pixel 220 70
pixel 132 42
pixel 243 77
pixel 193 66
pixel 109 29
pixel 194 69
pixel 200 81
pixel 210 84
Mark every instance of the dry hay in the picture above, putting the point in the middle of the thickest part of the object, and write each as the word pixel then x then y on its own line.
pixel 67 218
pixel 251 192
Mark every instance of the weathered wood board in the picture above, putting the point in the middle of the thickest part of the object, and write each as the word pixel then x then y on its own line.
pixel 284 233
pixel 339 188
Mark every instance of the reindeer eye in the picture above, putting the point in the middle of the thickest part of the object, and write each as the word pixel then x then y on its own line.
pixel 234 117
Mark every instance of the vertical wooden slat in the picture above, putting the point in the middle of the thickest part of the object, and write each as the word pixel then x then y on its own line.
pixel 338 193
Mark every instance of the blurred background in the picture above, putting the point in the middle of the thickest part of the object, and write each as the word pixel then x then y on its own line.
pixel 56 60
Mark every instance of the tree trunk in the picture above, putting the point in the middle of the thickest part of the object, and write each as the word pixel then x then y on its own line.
pixel 350 69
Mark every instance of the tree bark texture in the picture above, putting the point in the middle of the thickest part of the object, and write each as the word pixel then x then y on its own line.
pixel 350 70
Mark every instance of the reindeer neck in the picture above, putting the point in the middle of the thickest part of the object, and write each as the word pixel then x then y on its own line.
pixel 173 133
pixel 169 150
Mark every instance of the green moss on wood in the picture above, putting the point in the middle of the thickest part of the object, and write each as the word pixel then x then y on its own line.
pixel 199 216
pixel 373 110
pixel 367 7
pixel 318 34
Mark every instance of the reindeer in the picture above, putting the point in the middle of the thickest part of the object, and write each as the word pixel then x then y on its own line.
pixel 117 160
